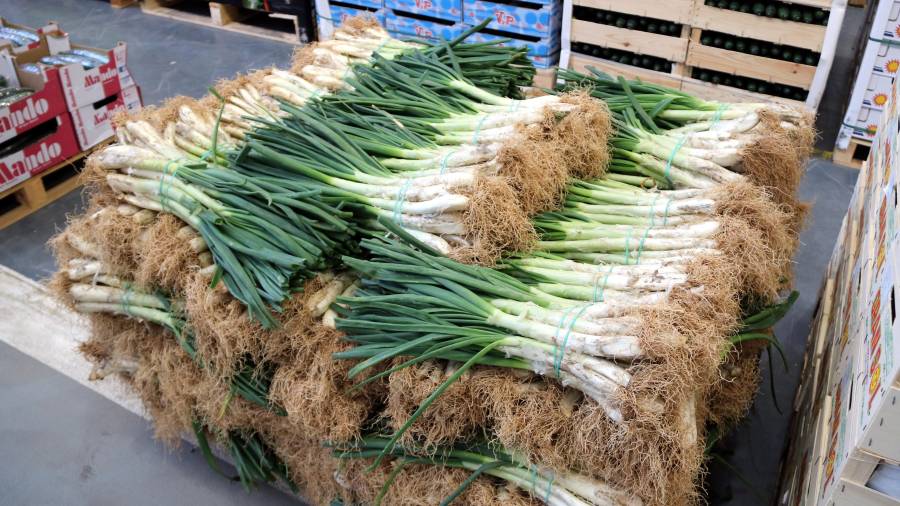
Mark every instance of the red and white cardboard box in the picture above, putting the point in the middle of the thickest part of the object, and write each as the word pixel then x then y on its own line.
pixel 82 86
pixel 7 45
pixel 58 145
pixel 45 103
pixel 93 122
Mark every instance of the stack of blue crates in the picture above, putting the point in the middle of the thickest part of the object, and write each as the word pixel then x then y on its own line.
pixel 533 24
pixel 343 9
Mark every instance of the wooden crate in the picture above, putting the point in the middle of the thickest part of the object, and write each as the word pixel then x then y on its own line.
pixel 666 47
pixel 34 193
pixel 580 62
pixel 232 18
pixel 748 65
pixel 676 11
pixel 724 93
pixel 779 31
pixel 855 154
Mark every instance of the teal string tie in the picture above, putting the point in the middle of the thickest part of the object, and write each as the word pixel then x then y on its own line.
pixel 478 128
pixel 125 305
pixel 386 41
pixel 666 213
pixel 549 487
pixel 445 160
pixel 675 150
pixel 401 198
pixel 206 154
pixel 163 194
pixel 718 116
pixel 560 350
pixel 600 288
pixel 628 246
pixel 647 230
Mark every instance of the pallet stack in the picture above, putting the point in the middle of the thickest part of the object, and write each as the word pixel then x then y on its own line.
pixel 288 21
pixel 68 112
pixel 846 425
pixel 727 50
pixel 877 70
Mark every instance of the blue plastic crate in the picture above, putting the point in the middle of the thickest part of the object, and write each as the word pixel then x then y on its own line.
pixel 536 19
pixel 403 26
pixel 339 13
pixel 372 4
pixel 450 10
pixel 543 46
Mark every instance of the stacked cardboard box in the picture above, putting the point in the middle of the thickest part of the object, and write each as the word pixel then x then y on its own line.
pixel 847 409
pixel 878 67
pixel 70 110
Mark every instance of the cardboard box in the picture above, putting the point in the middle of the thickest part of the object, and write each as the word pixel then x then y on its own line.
pixel 51 148
pixel 880 63
pixel 45 103
pixel 340 13
pixel 8 46
pixel 449 10
pixel 538 19
pixel 82 86
pixel 404 26
pixel 93 123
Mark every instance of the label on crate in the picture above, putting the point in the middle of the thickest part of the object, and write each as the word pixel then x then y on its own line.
pixel 93 124
pixel 538 20
pixel 450 10
pixel 341 13
pixel 45 103
pixel 406 27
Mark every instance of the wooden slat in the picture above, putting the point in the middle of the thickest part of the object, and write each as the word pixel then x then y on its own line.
pixel 748 65
pixel 32 194
pixel 722 93
pixel 222 14
pixel 822 4
pixel 579 62
pixel 164 9
pixel 742 24
pixel 676 11
pixel 673 49
pixel 847 157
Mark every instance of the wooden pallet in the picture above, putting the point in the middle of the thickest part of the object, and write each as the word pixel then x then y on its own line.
pixel 232 18
pixel 855 154
pixel 119 4
pixel 38 191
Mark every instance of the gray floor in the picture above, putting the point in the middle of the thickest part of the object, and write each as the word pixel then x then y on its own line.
pixel 754 449
pixel 73 447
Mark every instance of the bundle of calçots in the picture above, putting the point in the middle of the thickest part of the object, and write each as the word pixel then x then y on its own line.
pixel 384 255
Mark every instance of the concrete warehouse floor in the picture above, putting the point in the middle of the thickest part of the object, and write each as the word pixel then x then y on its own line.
pixel 71 446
